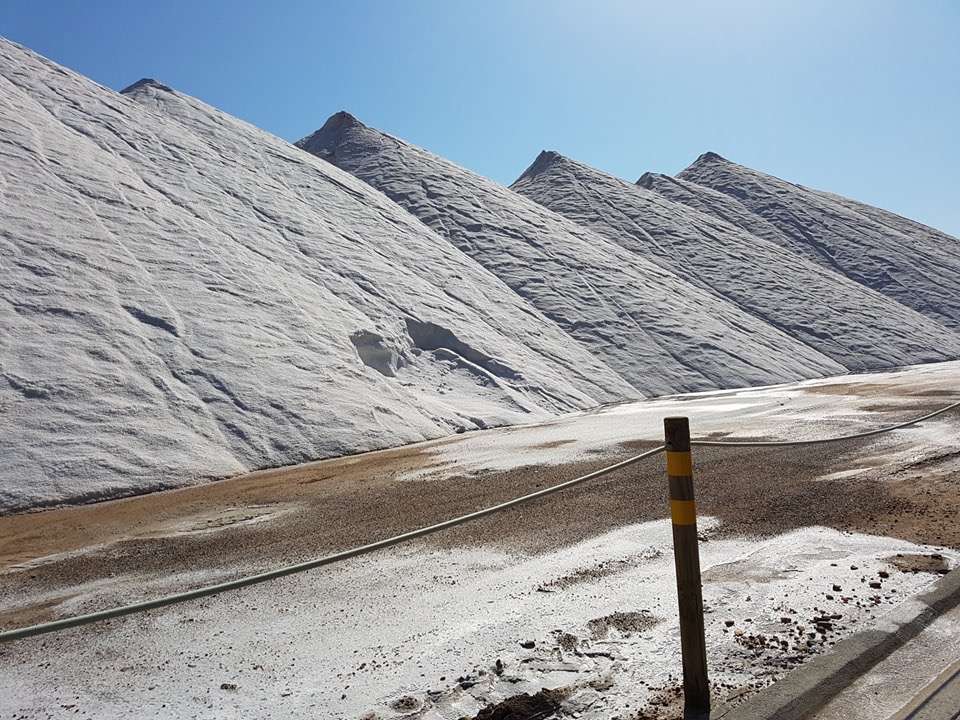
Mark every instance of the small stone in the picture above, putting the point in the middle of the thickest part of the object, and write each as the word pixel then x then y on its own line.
pixel 728 623
pixel 528 644
pixel 884 574
pixel 837 588
pixel 228 686
pixel 876 585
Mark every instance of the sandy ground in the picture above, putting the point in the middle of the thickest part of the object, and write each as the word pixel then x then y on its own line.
pixel 899 486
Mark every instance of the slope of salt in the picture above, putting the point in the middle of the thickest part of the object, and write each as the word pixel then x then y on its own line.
pixel 659 332
pixel 914 264
pixel 187 297
pixel 856 326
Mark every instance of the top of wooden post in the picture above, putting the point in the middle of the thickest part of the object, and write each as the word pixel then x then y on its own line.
pixel 677 433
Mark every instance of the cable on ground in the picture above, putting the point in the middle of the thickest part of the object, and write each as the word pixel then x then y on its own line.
pixel 310 564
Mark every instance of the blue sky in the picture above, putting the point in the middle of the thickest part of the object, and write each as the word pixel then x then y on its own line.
pixel 859 97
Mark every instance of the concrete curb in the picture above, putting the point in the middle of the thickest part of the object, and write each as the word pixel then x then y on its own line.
pixel 808 688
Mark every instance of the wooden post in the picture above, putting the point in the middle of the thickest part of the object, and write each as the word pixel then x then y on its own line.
pixel 683 513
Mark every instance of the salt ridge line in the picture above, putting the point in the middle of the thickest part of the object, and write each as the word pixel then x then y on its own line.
pixel 79 620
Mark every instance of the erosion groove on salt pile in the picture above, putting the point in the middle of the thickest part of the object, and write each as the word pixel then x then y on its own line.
pixel 845 320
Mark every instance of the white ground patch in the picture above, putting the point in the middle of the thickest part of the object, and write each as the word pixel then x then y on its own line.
pixel 798 411
pixel 422 628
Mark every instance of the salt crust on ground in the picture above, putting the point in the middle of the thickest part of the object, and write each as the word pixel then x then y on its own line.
pixel 359 637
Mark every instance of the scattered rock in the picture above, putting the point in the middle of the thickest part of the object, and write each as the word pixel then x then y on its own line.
pixel 568 642
pixel 519 707
pixel 407 703
pixel 623 622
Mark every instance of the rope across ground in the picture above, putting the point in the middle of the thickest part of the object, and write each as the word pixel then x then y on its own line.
pixel 755 488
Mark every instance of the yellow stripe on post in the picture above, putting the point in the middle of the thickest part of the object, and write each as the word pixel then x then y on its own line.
pixel 683 512
pixel 679 464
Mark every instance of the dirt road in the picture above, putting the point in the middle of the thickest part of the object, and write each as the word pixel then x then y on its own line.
pixel 270 518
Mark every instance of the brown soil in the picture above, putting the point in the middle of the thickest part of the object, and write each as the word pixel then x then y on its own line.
pixel 524 706
pixel 271 518
pixel 622 622
pixel 930 563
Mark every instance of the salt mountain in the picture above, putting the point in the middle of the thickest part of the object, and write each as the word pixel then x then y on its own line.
pixel 657 330
pixel 186 296
pixel 830 311
pixel 909 262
